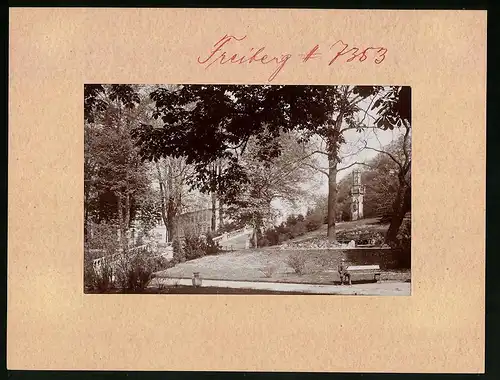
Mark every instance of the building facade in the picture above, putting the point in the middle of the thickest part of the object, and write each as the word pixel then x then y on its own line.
pixel 193 222
pixel 197 222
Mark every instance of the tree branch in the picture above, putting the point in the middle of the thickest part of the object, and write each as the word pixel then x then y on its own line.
pixel 367 109
pixel 355 163
pixel 405 140
pixel 320 152
pixel 387 153
pixel 317 169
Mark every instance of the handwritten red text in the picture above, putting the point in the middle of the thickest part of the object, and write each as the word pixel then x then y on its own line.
pixel 227 50
pixel 354 53
pixel 220 55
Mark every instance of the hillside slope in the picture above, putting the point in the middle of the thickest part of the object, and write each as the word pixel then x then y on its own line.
pixel 365 225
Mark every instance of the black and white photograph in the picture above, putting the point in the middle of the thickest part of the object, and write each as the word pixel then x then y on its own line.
pixel 247 189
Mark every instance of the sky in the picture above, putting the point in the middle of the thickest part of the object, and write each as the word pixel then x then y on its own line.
pixel 351 152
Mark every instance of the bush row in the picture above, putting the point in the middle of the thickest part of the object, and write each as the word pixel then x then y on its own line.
pixel 194 247
pixel 127 273
pixel 293 227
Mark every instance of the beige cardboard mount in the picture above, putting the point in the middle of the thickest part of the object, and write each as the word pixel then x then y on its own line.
pixel 53 325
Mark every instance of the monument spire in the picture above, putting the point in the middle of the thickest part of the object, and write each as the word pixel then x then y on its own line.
pixel 357 194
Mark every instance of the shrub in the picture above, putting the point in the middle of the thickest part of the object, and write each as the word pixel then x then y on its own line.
pixel 313 221
pixel 194 247
pixel 297 262
pixel 282 229
pixel 403 244
pixel 177 253
pixel 135 271
pixel 161 263
pixel 89 276
pixel 377 239
pixel 298 229
pixel 272 236
pixel 103 236
pixel 268 270
pixel 282 238
pixel 140 272
pixel 97 280
pixel 212 247
pixel 345 216
pixel 140 237
pixel 404 236
pixel 263 242
pixel 228 227
pixel 291 220
pixel 252 242
pixel 104 279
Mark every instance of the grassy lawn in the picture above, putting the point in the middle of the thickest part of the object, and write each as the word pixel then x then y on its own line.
pixel 342 228
pixel 271 265
pixel 320 265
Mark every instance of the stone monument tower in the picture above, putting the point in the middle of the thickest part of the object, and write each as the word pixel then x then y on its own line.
pixel 357 194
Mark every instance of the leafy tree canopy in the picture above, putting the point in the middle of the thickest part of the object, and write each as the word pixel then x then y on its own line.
pixel 394 107
pixel 204 123
pixel 97 99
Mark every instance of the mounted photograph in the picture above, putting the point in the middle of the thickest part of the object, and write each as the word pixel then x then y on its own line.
pixel 247 189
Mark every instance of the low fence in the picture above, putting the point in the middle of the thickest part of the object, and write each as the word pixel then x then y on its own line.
pixel 167 249
pixel 111 259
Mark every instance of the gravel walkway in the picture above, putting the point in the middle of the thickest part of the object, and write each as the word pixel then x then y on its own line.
pixel 380 289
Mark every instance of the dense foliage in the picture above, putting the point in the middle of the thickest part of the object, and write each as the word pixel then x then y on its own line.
pixel 205 123
pixel 117 185
pixel 294 226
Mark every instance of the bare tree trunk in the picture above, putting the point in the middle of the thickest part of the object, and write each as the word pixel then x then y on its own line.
pixel 221 213
pixel 163 203
pixel 126 222
pixel 171 222
pixel 213 221
pixel 332 178
pixel 255 232
pixel 121 230
pixel 221 203
pixel 332 198
pixel 164 216
pixel 127 202
pixel 170 199
pixel 401 205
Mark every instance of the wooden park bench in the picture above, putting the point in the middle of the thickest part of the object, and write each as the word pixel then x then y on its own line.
pixel 362 272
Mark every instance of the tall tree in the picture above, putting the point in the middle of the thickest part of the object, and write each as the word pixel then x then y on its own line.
pixel 281 178
pixel 113 168
pixel 395 111
pixel 219 196
pixel 171 174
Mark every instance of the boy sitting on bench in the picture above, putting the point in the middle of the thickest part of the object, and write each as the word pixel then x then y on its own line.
pixel 344 274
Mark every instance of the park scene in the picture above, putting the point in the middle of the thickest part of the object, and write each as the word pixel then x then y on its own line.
pixel 247 189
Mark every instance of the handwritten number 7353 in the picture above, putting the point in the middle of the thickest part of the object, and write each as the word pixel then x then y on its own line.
pixel 345 54
pixel 220 54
